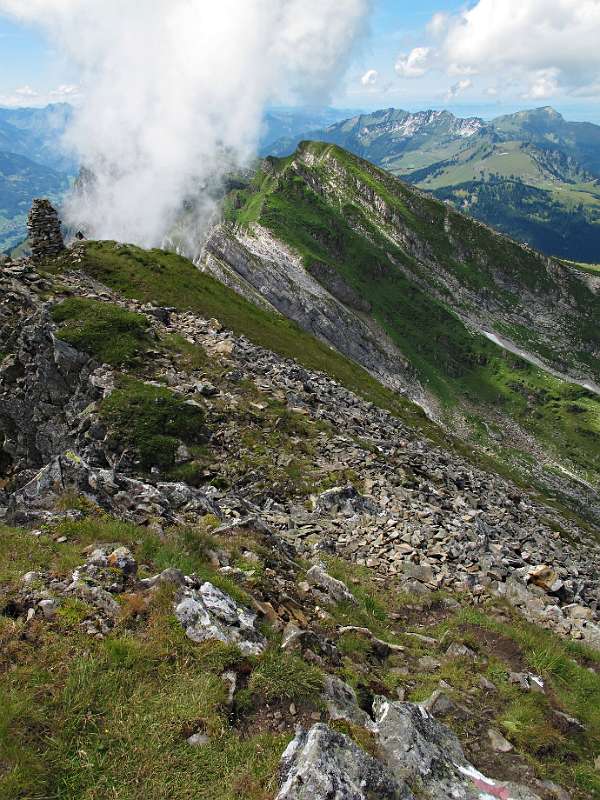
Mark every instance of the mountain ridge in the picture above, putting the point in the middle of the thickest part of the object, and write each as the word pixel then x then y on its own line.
pixel 512 156
pixel 438 285
pixel 223 573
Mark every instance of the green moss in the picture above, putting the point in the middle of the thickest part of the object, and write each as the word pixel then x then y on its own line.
pixel 109 333
pixel 152 420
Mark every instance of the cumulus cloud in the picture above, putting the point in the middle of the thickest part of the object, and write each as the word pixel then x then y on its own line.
pixel 438 23
pixel 174 91
pixel 549 46
pixel 414 64
pixel 369 78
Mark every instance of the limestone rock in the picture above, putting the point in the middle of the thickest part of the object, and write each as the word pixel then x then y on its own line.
pixel 342 703
pixel 426 753
pixel 498 742
pixel 322 764
pixel 344 500
pixel 337 591
pixel 209 613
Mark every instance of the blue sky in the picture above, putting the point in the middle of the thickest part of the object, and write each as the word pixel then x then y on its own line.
pixel 400 45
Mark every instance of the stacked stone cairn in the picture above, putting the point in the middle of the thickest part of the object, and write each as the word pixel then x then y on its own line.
pixel 44 231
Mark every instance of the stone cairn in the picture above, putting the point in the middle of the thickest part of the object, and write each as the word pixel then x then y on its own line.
pixel 44 231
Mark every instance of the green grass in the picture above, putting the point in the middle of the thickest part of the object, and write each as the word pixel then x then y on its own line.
pixel 86 720
pixel 152 420
pixel 527 719
pixel 106 331
pixel 285 678
pixel 96 720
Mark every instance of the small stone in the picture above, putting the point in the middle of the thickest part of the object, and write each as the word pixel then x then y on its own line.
pixel 206 389
pixel 498 742
pixel 439 704
pixel 30 577
pixel 198 739
pixel 457 650
pixel 543 576
pixel 428 663
pixel 229 678
pixel 49 608
pixel 486 685
pixel 567 724
pixel 182 455
pixel 61 539
pixel 336 590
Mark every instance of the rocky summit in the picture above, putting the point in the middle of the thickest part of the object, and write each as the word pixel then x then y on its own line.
pixel 235 564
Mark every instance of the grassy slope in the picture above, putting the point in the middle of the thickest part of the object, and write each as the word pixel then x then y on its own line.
pixel 167 279
pixel 89 719
pixel 452 362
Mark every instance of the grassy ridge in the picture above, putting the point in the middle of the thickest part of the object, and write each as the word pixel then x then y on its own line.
pixel 168 279
pixel 454 363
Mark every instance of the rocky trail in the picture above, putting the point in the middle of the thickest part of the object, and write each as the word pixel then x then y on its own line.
pixel 308 494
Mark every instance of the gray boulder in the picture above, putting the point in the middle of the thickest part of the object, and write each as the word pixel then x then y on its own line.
pixel 344 500
pixel 209 613
pixel 322 764
pixel 426 753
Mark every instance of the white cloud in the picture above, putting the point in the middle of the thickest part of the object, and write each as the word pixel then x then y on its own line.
pixel 438 23
pixel 546 46
pixel 545 85
pixel 414 64
pixel 29 97
pixel 458 88
pixel 174 92
pixel 25 92
pixel 369 78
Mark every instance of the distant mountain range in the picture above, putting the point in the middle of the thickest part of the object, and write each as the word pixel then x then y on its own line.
pixel 288 123
pixel 33 163
pixel 532 174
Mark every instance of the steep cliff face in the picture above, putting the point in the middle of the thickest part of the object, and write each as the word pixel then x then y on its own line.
pixel 263 269
pixel 496 341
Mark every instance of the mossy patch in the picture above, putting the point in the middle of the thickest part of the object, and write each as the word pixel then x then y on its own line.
pixel 152 420
pixel 106 331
